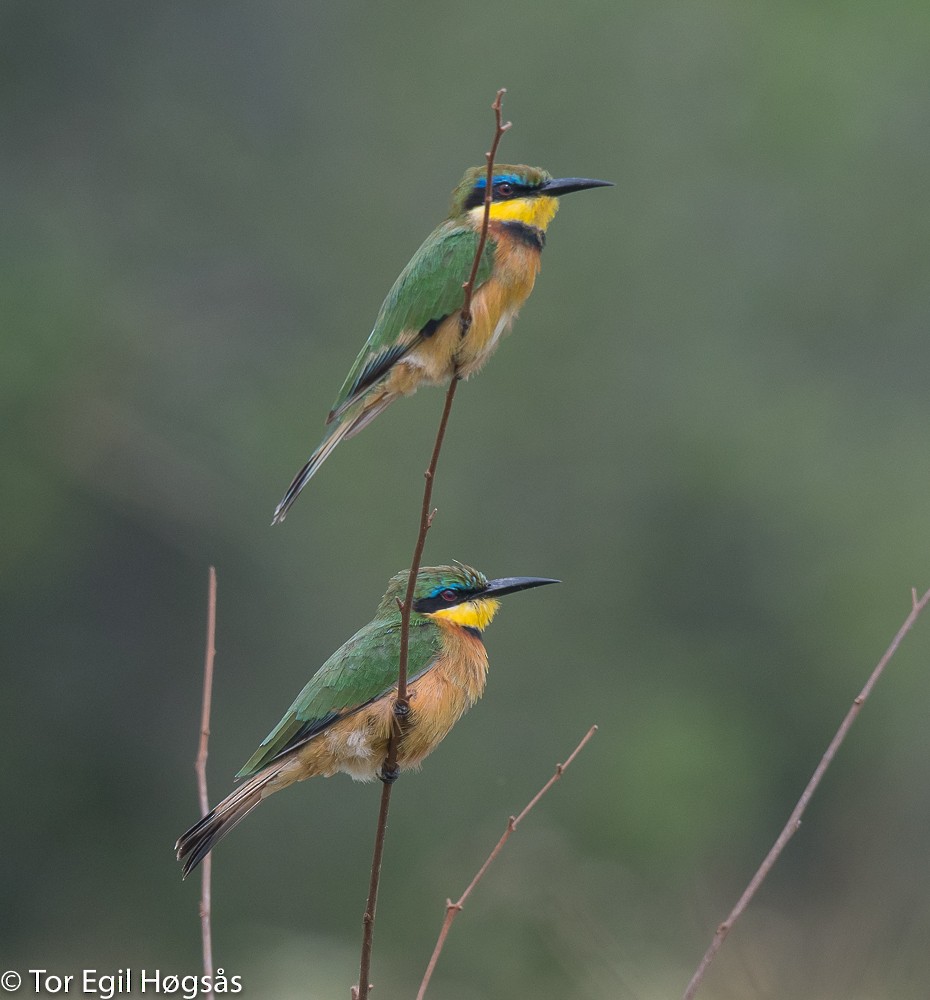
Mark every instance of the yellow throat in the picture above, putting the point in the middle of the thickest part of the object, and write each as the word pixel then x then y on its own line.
pixel 470 614
pixel 538 211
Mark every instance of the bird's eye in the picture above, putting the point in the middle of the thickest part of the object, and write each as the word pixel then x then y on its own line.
pixel 449 595
pixel 504 188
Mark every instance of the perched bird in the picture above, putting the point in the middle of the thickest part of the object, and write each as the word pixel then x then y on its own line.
pixel 417 339
pixel 342 719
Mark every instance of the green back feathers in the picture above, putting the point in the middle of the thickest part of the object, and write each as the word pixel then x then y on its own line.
pixel 359 672
pixel 427 290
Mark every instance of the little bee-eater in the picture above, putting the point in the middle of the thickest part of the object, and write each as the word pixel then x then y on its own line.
pixel 342 719
pixel 417 338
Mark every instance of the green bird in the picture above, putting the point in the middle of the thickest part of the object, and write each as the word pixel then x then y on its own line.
pixel 417 338
pixel 342 719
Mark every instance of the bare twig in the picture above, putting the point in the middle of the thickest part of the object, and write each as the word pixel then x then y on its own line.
pixel 453 909
pixel 200 768
pixel 794 820
pixel 469 286
pixel 401 704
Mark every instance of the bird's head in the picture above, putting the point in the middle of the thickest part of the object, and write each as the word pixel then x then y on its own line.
pixel 518 193
pixel 457 594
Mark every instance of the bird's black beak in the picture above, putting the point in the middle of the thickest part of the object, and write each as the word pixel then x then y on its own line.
pixel 511 584
pixel 566 185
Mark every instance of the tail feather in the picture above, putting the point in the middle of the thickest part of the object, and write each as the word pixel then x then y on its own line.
pixel 349 426
pixel 194 845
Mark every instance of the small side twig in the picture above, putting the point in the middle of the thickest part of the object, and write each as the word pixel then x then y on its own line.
pixel 453 909
pixel 794 820
pixel 200 769
pixel 401 704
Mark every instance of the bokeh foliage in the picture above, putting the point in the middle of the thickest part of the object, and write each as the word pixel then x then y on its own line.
pixel 710 422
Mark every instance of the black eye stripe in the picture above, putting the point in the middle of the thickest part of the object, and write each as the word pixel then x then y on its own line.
pixel 515 190
pixel 426 605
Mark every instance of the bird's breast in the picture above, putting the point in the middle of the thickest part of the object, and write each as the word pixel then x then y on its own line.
pixel 444 693
pixel 496 303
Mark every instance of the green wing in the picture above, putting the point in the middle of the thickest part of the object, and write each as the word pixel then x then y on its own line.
pixel 427 290
pixel 359 672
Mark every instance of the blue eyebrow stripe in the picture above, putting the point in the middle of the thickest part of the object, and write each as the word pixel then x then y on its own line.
pixel 512 178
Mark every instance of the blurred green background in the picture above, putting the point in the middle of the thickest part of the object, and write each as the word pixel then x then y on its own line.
pixel 710 422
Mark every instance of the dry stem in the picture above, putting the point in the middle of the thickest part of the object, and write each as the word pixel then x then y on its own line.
pixel 200 769
pixel 453 909
pixel 794 820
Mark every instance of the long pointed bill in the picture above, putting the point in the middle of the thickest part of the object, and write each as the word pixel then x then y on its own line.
pixel 511 584
pixel 566 185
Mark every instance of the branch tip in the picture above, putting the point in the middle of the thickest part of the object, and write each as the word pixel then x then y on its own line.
pixel 469 286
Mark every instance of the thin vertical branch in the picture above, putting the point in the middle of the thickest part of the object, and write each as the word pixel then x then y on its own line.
pixel 453 909
pixel 426 521
pixel 200 768
pixel 368 920
pixel 401 704
pixel 794 820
